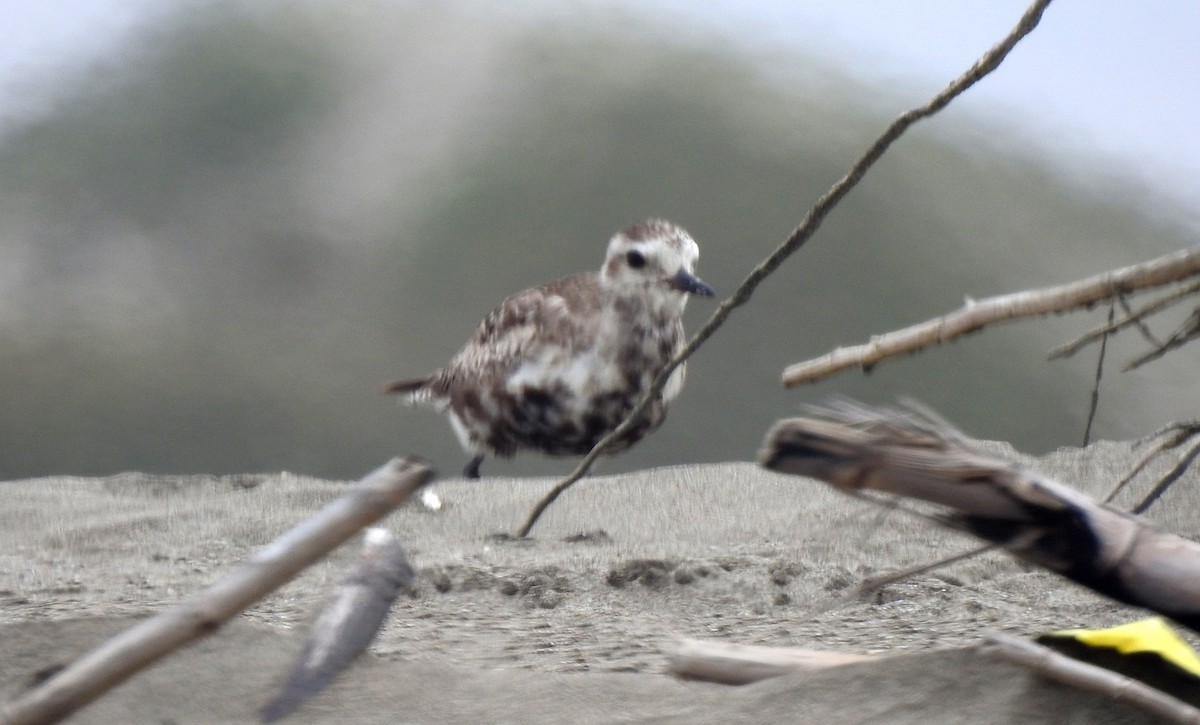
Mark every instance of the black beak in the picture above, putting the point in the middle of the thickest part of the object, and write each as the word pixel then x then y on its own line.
pixel 686 282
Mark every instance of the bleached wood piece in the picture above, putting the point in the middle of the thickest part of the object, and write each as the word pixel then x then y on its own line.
pixel 739 664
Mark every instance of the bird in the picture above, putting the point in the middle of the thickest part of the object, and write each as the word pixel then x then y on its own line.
pixel 555 368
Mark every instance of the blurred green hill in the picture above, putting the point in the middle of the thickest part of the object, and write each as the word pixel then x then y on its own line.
pixel 219 244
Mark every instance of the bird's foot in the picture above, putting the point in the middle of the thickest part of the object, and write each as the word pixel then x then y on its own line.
pixel 471 470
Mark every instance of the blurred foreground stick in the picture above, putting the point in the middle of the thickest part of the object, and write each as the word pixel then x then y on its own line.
pixel 739 664
pixel 122 656
pixel 348 623
pixel 904 453
pixel 1092 678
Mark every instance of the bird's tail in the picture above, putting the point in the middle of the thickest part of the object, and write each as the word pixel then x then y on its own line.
pixel 413 391
pixel 407 386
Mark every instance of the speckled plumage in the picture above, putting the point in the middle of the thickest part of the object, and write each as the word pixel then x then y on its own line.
pixel 555 368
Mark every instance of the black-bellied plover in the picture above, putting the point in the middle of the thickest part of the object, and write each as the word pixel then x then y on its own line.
pixel 556 368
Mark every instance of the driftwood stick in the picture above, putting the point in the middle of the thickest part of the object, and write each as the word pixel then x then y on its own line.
pixel 986 63
pixel 977 314
pixel 128 652
pixel 1106 683
pixel 1116 554
pixel 739 664
pixel 1182 432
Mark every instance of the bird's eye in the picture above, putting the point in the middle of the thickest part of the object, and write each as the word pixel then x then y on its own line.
pixel 636 259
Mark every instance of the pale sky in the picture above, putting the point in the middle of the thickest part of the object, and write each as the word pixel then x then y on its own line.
pixel 1109 78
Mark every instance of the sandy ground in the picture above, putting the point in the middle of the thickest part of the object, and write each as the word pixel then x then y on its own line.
pixel 575 625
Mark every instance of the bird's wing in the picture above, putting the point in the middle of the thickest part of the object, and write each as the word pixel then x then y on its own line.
pixel 560 314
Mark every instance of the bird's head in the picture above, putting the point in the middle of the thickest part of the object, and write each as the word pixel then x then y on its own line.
pixel 656 258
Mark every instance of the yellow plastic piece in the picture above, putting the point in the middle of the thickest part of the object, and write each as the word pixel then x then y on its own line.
pixel 1147 635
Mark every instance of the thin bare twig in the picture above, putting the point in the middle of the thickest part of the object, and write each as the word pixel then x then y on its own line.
pixel 1106 683
pixel 801 234
pixel 1095 401
pixel 1190 330
pixel 1182 430
pixel 1131 318
pixel 1137 320
pixel 875 583
pixel 978 314
pixel 130 651
pixel 1137 468
pixel 1166 481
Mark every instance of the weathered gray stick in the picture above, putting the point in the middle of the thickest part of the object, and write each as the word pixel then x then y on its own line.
pixel 1061 668
pixel 125 654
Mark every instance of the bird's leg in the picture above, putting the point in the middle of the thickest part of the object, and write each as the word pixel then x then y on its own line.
pixel 471 470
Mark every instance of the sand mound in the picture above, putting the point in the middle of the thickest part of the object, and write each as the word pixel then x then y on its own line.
pixel 573 626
